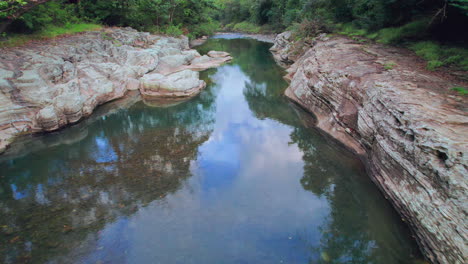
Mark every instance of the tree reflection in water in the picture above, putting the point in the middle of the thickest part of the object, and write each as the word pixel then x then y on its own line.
pixel 361 226
pixel 236 175
pixel 52 203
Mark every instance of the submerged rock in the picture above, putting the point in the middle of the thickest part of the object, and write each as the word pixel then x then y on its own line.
pixel 404 120
pixel 47 85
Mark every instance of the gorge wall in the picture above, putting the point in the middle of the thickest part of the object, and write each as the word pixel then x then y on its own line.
pixel 47 85
pixel 383 105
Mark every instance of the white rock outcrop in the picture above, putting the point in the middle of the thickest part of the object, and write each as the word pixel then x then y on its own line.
pixel 48 85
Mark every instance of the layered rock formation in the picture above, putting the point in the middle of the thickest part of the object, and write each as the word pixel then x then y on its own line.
pixel 380 103
pixel 46 86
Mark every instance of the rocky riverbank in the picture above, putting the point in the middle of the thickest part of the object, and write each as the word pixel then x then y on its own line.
pixel 380 102
pixel 48 85
pixel 268 38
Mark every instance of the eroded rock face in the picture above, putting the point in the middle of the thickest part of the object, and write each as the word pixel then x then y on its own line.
pixel 46 86
pixel 411 128
pixel 185 83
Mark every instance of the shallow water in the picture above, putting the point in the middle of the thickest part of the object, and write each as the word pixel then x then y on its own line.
pixel 236 175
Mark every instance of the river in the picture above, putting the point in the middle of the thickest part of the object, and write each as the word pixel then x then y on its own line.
pixel 236 175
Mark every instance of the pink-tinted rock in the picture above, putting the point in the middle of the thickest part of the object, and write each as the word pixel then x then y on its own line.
pixel 404 120
pixel 218 54
pixel 185 83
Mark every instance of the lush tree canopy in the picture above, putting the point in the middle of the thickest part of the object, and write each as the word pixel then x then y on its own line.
pixel 370 14
pixel 198 17
pixel 172 16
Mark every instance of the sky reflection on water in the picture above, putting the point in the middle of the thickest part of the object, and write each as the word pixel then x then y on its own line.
pixel 232 176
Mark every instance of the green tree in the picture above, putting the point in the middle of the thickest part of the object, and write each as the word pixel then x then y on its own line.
pixel 10 10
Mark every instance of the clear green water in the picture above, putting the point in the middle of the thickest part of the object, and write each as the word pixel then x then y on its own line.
pixel 236 175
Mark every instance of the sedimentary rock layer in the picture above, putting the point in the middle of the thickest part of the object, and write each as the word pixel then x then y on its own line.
pixel 412 129
pixel 47 85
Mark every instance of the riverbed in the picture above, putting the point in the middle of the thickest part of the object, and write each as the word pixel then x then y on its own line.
pixel 236 175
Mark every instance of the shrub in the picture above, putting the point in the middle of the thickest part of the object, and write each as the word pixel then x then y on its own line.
pixel 204 29
pixel 174 31
pixel 53 13
pixel 246 27
pixel 229 27
pixel 310 28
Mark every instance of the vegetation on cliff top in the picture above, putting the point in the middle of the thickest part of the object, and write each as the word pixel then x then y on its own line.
pixel 434 29
pixel 173 17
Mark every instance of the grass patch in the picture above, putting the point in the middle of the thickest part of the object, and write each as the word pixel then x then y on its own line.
pixel 396 35
pixel 390 35
pixel 54 31
pixel 389 65
pixel 439 55
pixel 460 90
pixel 48 33
pixel 435 54
pixel 350 30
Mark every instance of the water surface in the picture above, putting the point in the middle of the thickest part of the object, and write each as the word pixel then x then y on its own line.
pixel 236 175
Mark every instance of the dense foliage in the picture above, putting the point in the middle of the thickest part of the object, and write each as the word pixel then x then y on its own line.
pixel 424 23
pixel 368 14
pixel 445 17
pixel 434 29
pixel 174 17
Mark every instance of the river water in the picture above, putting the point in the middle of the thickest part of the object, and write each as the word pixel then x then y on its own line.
pixel 236 175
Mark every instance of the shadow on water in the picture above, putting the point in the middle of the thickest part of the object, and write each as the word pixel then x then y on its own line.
pixel 232 176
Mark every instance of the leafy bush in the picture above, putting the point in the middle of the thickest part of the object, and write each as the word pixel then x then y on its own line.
pixel 350 30
pixel 246 27
pixel 292 16
pixel 204 29
pixel 229 27
pixel 54 13
pixel 310 28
